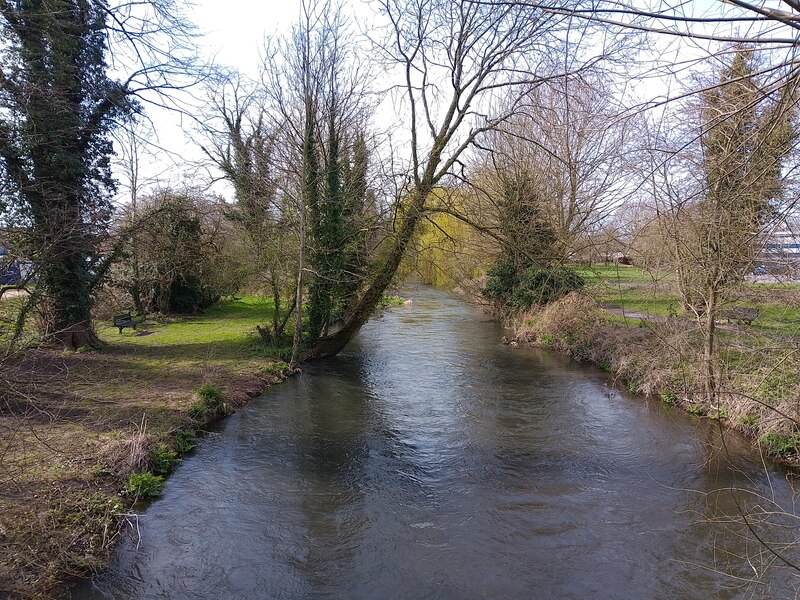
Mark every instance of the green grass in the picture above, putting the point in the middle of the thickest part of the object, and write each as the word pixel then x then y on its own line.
pixel 227 330
pixel 631 288
pixel 654 293
pixel 130 408
pixel 781 320
pixel 610 274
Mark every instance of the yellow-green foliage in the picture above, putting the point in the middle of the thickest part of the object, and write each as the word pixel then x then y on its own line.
pixel 448 251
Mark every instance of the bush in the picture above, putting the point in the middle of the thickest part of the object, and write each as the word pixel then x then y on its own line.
pixel 144 485
pixel 210 399
pixel 210 395
pixel 535 285
pixel 185 440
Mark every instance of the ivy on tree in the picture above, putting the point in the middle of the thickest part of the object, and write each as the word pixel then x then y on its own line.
pixel 58 106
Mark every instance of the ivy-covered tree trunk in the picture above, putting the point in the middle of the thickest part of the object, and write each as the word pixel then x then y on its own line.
pixel 383 273
pixel 57 107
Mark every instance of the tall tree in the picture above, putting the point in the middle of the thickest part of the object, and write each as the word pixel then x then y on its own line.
pixel 58 107
pixel 456 58
pixel 717 235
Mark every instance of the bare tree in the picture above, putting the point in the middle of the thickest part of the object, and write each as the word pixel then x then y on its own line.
pixel 456 59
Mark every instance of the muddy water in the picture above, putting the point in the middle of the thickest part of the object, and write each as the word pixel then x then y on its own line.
pixel 431 461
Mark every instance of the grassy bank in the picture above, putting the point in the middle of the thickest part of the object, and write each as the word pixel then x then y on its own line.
pixel 759 375
pixel 638 291
pixel 85 436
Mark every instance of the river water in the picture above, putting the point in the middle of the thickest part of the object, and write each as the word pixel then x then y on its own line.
pixel 431 461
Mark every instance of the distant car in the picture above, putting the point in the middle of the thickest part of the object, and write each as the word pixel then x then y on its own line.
pixel 760 270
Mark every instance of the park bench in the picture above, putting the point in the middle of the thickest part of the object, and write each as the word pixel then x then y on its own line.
pixel 740 314
pixel 123 321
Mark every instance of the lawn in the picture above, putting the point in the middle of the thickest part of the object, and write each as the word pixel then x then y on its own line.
pixel 227 329
pixel 632 289
pixel 655 293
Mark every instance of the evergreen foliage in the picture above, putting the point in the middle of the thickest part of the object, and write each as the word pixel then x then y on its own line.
pixel 525 272
pixel 539 285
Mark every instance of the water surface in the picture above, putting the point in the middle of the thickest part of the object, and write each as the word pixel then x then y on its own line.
pixel 431 461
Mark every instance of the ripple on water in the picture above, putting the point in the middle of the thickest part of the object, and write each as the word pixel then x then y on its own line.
pixel 430 461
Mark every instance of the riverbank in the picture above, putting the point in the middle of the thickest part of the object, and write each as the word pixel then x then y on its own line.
pixel 759 375
pixel 87 436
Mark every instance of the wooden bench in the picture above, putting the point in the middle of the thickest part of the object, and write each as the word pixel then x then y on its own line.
pixel 123 321
pixel 740 314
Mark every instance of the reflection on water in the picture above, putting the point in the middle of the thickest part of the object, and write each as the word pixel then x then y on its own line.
pixel 430 461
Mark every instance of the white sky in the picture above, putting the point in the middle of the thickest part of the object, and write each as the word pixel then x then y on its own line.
pixel 234 30
pixel 232 35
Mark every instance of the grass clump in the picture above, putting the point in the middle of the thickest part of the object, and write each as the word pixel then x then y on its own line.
pixel 163 459
pixel 143 486
pixel 748 420
pixel 210 400
pixel 780 444
pixel 211 395
pixel 274 369
pixel 668 397
pixel 185 440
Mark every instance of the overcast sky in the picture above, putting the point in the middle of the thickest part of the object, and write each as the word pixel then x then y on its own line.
pixel 232 34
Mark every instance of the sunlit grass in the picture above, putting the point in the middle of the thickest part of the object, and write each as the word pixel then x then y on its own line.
pixel 227 329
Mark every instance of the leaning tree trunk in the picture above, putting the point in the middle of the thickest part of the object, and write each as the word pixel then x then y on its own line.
pixel 382 278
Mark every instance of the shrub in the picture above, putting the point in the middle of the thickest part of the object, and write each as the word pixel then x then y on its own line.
pixel 210 399
pixel 535 285
pixel 210 395
pixel 144 485
pixel 500 283
pixel 185 440
pixel 544 285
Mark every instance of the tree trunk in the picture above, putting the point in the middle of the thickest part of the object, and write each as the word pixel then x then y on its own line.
pixel 709 336
pixel 65 280
pixel 333 344
pixel 298 304
pixel 276 303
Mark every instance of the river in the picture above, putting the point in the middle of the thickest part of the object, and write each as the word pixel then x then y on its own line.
pixel 430 461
